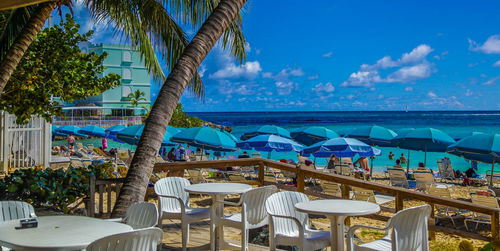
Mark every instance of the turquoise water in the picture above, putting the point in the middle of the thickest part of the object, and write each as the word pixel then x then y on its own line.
pixel 450 122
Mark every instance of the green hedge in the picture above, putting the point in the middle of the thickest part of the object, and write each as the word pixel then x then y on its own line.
pixel 51 188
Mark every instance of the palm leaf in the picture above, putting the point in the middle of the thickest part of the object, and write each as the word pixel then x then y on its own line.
pixel 12 23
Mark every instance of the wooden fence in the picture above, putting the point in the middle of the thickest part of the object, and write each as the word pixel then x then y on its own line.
pixel 102 187
pixel 400 194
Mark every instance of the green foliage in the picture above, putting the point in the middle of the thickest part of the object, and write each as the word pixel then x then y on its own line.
pixel 136 97
pixel 181 119
pixel 55 66
pixel 492 246
pixel 465 246
pixel 48 187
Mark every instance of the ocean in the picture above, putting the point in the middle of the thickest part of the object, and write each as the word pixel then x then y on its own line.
pixel 448 121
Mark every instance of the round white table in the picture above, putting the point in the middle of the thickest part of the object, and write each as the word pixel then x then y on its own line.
pixel 58 233
pixel 217 191
pixel 337 211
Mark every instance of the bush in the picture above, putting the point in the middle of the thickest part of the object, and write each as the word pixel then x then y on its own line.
pixel 51 188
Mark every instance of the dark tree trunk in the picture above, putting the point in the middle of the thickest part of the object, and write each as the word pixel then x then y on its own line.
pixel 141 168
pixel 22 42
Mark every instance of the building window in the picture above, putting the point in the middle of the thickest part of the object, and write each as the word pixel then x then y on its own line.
pixel 127 56
pixel 127 74
pixel 126 90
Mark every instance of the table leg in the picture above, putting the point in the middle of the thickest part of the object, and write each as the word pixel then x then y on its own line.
pixel 337 233
pixel 216 213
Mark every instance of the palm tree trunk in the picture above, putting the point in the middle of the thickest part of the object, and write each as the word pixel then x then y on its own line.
pixel 141 168
pixel 23 41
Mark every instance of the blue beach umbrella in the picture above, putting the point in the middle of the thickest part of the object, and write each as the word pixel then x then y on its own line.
pixel 132 134
pixel 480 147
pixel 93 130
pixel 424 139
pixel 112 131
pixel 373 135
pixel 206 138
pixel 230 136
pixel 70 129
pixel 341 147
pixel 312 134
pixel 460 135
pixel 269 143
pixel 267 129
pixel 56 133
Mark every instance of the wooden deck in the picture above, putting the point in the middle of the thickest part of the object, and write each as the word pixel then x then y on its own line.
pixel 198 236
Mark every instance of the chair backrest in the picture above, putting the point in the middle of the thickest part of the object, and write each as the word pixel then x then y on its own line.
pixel 344 169
pixel 142 215
pixel 423 179
pixel 331 188
pixel 256 155
pixel 283 203
pixel 173 186
pixel 495 178
pixel 14 210
pixel 254 202
pixel 409 228
pixel 145 240
pixel 196 176
pixel 484 200
pixel 363 194
pixel 442 192
pixel 398 177
pixel 270 177
pixel 123 155
pixel 236 176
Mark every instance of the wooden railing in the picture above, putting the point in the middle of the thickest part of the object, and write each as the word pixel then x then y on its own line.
pixel 400 194
pixel 102 187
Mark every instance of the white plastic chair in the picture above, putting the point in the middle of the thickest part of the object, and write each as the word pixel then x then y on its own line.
pixel 253 212
pixel 138 240
pixel 406 230
pixel 289 227
pixel 140 215
pixel 173 202
pixel 14 210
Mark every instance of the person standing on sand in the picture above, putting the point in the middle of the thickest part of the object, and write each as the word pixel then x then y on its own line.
pixel 104 144
pixel 391 155
pixel 71 142
pixel 171 154
pixel 402 159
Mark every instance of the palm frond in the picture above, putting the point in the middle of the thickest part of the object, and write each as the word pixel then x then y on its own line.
pixel 12 23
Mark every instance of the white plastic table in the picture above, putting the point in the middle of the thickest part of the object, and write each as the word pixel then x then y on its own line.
pixel 58 233
pixel 337 211
pixel 217 191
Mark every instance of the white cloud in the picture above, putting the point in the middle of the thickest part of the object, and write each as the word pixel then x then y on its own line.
pixel 431 94
pixel 410 67
pixel 313 77
pixel 359 103
pixel 380 96
pixel 328 54
pixel 242 99
pixel 491 81
pixel 497 63
pixel 319 88
pixel 285 74
pixel 373 89
pixel 249 69
pixel 350 97
pixel 469 93
pixel 247 47
pixel 491 46
pixel 284 88
pixel 202 70
pixel 409 89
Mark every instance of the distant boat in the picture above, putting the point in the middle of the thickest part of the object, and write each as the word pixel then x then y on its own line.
pixel 406 108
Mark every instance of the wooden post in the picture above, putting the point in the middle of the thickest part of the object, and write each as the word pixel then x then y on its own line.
pixel 260 176
pixel 300 180
pixel 399 202
pixel 91 205
pixel 101 199
pixel 108 191
pixel 494 225
pixel 346 195
pixel 432 222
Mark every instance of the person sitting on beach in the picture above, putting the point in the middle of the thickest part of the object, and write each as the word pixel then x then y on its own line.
pixel 391 155
pixel 171 154
pixel 180 154
pixel 402 159
pixel 421 167
pixel 398 162
pixel 334 161
pixel 244 156
pixel 363 164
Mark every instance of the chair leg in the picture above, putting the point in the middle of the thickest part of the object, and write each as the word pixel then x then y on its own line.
pixel 185 233
pixel 244 239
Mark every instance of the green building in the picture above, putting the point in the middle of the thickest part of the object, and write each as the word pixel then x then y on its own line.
pixel 126 62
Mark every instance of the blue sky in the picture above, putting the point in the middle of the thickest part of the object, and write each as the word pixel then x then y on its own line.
pixel 354 55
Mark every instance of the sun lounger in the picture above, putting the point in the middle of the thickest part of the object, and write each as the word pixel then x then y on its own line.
pixel 344 169
pixel 444 211
pixel 484 200
pixel 494 179
pixel 370 196
pixel 331 188
pixel 397 177
pixel 123 155
pixel 446 173
pixel 256 155
pixel 270 177
pixel 196 176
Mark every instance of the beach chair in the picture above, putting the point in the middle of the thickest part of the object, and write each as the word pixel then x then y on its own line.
pixel 140 215
pixel 331 188
pixel 145 240
pixel 344 170
pixel 493 179
pixel 76 162
pixel 397 177
pixel 173 203
pixel 484 200
pixel 15 210
pixel 447 172
pixel 270 177
pixel 444 211
pixel 363 194
pixel 256 155
pixel 195 176
pixel 253 212
pixel 289 227
pixel 406 230
pixel 423 179
pixel 100 152
pixel 234 176
pixel 86 162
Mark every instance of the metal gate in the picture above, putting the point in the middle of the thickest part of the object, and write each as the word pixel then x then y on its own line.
pixel 24 145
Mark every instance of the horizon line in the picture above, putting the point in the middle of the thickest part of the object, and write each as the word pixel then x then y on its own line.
pixel 349 111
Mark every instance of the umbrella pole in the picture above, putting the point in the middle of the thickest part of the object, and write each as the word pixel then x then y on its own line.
pixel 371 166
pixel 492 168
pixel 269 155
pixel 408 162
